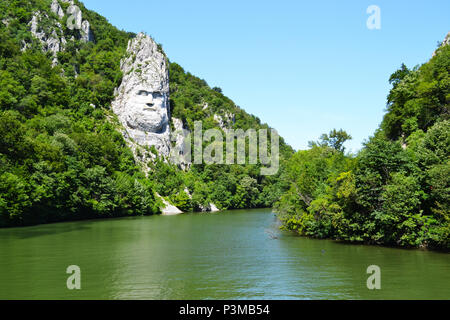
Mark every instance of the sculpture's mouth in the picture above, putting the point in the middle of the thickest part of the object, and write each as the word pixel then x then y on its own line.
pixel 150 107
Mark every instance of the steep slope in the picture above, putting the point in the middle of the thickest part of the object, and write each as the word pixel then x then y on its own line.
pixel 396 191
pixel 419 97
pixel 70 147
pixel 142 100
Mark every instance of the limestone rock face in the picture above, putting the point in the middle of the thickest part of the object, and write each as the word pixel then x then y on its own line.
pixel 77 22
pixel 180 154
pixel 168 209
pixel 86 33
pixel 446 42
pixel 49 31
pixel 49 39
pixel 56 8
pixel 77 17
pixel 225 122
pixel 142 100
pixel 209 208
pixel 214 208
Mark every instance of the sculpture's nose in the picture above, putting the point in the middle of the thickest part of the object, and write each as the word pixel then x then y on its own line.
pixel 149 101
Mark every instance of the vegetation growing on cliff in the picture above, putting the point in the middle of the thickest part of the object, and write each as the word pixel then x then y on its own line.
pixel 227 186
pixel 61 154
pixel 396 191
pixel 61 158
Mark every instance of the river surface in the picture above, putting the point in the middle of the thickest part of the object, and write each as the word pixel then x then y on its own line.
pixel 227 255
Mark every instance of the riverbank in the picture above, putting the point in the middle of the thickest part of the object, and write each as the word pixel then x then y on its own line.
pixel 226 255
pixel 291 228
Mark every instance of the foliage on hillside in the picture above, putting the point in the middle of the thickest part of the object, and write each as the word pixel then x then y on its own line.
pixel 227 186
pixel 396 191
pixel 61 154
pixel 61 157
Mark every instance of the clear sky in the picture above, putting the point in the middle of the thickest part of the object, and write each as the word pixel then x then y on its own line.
pixel 304 67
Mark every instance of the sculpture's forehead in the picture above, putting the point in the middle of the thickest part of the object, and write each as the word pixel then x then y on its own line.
pixel 145 88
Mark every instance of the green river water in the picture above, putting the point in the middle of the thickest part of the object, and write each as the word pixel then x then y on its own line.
pixel 227 255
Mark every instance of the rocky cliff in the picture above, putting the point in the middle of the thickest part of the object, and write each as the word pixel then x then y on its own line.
pixel 444 43
pixel 142 100
pixel 141 96
pixel 446 40
pixel 142 105
pixel 49 30
pixel 59 123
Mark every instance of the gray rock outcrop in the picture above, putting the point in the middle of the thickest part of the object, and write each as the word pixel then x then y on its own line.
pixel 446 42
pixel 76 17
pixel 179 153
pixel 56 9
pixel 49 31
pixel 49 39
pixel 209 208
pixel 142 100
pixel 225 122
pixel 86 32
pixel 168 209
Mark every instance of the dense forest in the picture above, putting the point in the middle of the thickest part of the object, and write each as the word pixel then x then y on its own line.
pixel 62 156
pixel 227 186
pixel 396 190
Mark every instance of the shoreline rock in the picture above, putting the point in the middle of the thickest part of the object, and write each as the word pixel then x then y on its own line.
pixel 168 209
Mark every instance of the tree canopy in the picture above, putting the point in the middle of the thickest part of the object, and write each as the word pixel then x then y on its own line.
pixel 395 191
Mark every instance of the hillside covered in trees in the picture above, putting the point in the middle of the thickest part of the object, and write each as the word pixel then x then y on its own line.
pixel 62 155
pixel 396 190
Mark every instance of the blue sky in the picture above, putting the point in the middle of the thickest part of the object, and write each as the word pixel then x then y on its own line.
pixel 304 67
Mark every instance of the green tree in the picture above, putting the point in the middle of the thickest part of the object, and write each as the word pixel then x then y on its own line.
pixel 335 139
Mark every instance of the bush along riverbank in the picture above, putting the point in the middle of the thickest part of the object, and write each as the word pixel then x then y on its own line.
pixel 64 155
pixel 396 190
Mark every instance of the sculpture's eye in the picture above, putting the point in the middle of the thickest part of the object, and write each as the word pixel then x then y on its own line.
pixel 142 93
pixel 157 95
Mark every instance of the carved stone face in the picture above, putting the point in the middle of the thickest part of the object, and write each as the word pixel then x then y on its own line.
pixel 147 111
pixel 142 99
